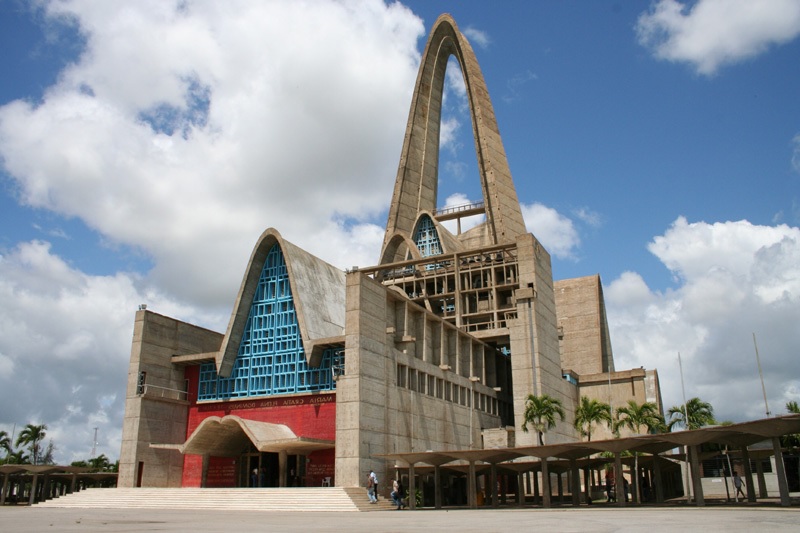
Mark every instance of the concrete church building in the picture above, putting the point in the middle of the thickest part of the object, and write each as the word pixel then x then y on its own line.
pixel 321 371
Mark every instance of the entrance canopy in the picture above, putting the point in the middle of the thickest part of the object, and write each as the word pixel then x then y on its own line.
pixel 230 435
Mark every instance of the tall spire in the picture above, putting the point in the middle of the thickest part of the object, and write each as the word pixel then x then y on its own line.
pixel 418 173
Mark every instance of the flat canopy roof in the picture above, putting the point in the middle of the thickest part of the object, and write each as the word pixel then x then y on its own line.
pixel 736 435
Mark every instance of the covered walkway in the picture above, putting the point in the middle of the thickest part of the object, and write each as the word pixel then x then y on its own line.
pixel 34 483
pixel 575 456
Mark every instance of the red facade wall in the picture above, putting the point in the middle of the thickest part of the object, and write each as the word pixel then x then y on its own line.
pixel 311 415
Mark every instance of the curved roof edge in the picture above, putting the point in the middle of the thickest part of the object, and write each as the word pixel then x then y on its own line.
pixel 309 276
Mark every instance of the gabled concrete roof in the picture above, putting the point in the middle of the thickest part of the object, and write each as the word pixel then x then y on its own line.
pixel 310 277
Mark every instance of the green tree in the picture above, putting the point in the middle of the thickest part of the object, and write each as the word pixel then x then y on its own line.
pixel 700 414
pixel 31 436
pixel 18 458
pixel 793 408
pixel 634 416
pixel 792 440
pixel 540 413
pixel 5 442
pixel 99 463
pixel 591 412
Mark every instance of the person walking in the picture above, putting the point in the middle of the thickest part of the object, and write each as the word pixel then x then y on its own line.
pixel 737 482
pixel 397 493
pixel 372 487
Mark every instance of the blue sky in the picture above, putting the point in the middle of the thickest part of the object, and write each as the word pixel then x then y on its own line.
pixel 144 148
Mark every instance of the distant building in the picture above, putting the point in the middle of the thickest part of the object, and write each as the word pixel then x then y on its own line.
pixel 436 347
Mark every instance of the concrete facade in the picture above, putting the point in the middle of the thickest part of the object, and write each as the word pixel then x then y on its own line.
pixel 440 349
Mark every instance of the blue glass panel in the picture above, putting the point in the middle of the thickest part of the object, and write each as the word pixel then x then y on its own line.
pixel 427 238
pixel 271 359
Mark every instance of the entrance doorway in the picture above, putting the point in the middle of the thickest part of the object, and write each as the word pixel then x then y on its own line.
pixel 258 469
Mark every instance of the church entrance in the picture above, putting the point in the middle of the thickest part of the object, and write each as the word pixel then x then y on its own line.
pixel 264 469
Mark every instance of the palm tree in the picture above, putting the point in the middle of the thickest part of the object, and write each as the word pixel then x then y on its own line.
pixel 541 412
pixel 700 414
pixel 31 436
pixel 793 408
pixel 5 442
pixel 99 463
pixel 591 412
pixel 792 440
pixel 636 416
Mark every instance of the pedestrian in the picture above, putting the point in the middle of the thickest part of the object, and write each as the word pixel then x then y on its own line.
pixel 610 496
pixel 737 482
pixel 254 478
pixel 397 493
pixel 371 478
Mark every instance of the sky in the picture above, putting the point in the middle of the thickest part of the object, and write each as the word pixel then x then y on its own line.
pixel 144 147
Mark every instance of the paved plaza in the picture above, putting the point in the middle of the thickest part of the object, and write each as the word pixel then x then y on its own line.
pixel 596 520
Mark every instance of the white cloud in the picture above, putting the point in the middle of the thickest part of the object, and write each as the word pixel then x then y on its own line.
pixel 476 36
pixel 213 110
pixel 735 279
pixel 467 223
pixel 184 130
pixel 555 231
pixel 713 33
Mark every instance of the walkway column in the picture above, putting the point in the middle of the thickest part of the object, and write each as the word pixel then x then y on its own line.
pixel 412 487
pixel 521 489
pixel 696 482
pixel 472 491
pixel 5 489
pixel 783 484
pixel 619 483
pixel 576 482
pixel 73 483
pixel 535 488
pixel 657 478
pixel 493 481
pixel 762 483
pixel 748 475
pixel 32 497
pixel 545 484
pixel 560 487
pixel 437 491
pixel 587 482
pixel 635 479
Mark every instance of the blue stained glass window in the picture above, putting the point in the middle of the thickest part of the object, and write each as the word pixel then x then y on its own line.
pixel 427 238
pixel 271 359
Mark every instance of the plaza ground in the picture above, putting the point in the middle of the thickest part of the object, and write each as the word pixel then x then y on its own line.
pixel 597 520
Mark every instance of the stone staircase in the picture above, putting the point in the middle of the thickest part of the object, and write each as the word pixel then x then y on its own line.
pixel 244 499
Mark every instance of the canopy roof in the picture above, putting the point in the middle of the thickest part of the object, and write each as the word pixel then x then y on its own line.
pixel 230 435
pixel 736 435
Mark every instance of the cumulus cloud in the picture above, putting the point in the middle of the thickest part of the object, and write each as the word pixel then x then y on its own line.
pixel 476 36
pixel 555 231
pixel 182 131
pixel 64 347
pixel 734 279
pixel 713 33
pixel 213 111
pixel 467 223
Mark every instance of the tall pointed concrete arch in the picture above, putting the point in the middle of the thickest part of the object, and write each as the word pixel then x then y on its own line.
pixel 417 176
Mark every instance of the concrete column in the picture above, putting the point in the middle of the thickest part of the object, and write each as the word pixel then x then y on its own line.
pixel 619 483
pixel 696 482
pixel 780 467
pixel 657 482
pixel 748 475
pixel 73 483
pixel 204 471
pixel 4 490
pixel 560 487
pixel 412 487
pixel 587 484
pixel 493 481
pixel 521 489
pixel 762 483
pixel 472 494
pixel 282 460
pixel 536 488
pixel 32 496
pixel 576 483
pixel 546 503
pixel 437 496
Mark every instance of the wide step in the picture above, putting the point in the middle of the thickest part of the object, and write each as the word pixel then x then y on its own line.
pixel 254 499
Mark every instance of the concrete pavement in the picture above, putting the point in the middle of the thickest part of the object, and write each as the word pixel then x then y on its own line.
pixel 596 520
